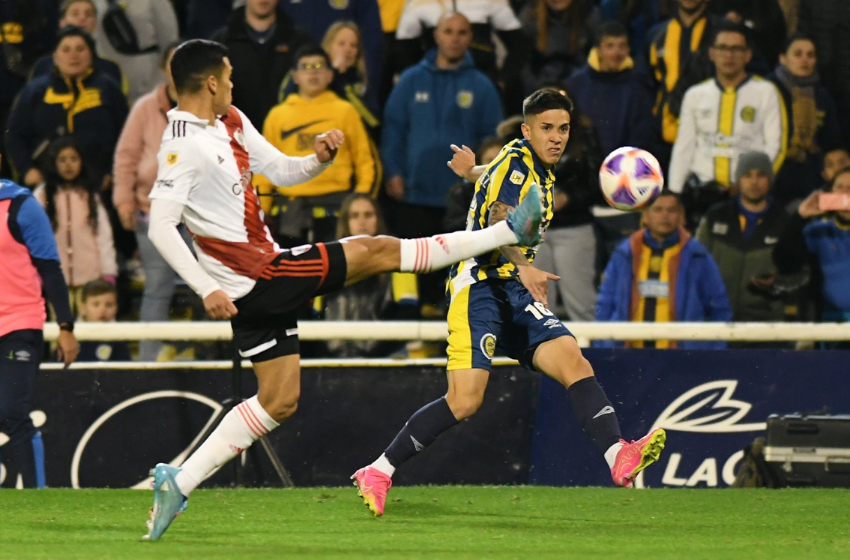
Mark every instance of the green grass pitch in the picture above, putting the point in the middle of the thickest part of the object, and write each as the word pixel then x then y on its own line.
pixel 433 522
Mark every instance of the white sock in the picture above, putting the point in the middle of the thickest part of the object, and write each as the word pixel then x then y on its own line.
pixel 242 426
pixel 383 465
pixel 425 254
pixel 611 454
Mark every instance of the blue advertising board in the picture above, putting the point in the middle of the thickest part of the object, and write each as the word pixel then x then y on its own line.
pixel 712 404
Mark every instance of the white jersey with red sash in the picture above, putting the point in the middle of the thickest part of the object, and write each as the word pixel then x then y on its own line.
pixel 208 170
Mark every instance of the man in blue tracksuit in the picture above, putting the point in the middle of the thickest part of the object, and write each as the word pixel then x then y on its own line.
pixel 661 274
pixel 441 100
pixel 29 264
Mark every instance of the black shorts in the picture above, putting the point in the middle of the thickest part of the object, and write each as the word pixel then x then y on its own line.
pixel 266 327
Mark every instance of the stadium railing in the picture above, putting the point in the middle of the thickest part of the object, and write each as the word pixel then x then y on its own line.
pixel 436 331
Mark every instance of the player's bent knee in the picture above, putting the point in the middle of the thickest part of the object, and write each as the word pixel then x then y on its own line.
pixel 283 409
pixel 464 406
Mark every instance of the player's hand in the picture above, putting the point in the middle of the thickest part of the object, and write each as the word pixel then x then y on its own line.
pixel 327 145
pixel 462 161
pixel 219 305
pixel 395 187
pixel 67 347
pixel 536 281
pixel 810 207
pixel 127 215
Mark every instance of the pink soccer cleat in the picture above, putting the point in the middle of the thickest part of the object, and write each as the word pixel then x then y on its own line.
pixel 635 456
pixel 372 485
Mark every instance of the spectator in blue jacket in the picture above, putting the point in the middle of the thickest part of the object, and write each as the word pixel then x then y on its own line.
pixel 660 274
pixel 74 100
pixel 440 101
pixel 317 17
pixel 825 243
pixel 610 92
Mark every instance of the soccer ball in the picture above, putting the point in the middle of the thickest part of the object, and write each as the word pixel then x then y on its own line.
pixel 630 179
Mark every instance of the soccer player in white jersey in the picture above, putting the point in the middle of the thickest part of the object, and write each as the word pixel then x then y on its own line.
pixel 208 155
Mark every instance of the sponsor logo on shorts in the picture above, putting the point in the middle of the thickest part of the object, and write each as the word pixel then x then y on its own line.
pixel 488 345
pixel 23 356
pixel 300 250
pixel 552 323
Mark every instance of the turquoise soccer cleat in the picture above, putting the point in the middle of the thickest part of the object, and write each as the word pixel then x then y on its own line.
pixel 168 501
pixel 525 219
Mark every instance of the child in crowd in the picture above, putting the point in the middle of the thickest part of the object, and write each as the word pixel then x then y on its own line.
pixel 99 304
pixel 392 296
pixel 79 220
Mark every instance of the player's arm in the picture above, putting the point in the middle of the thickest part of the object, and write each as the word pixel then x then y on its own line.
pixel 284 170
pixel 178 176
pixel 536 281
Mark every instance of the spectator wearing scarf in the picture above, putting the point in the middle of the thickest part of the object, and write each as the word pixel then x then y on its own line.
pixel 812 120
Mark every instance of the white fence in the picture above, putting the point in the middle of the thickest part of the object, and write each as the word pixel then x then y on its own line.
pixel 437 330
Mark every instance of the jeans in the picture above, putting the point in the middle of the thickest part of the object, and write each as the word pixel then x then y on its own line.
pixel 159 284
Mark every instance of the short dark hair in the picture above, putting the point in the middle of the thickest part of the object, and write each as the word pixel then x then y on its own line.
pixel 97 288
pixel 727 26
pixel 610 29
pixel 544 100
pixel 668 192
pixel 797 37
pixel 194 61
pixel 74 31
pixel 310 50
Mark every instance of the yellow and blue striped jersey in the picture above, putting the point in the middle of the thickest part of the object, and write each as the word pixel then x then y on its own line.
pixel 507 179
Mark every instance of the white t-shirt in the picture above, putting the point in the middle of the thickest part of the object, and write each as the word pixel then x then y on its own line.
pixel 419 15
pixel 208 170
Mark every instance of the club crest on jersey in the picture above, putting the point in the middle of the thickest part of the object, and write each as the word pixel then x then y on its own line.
pixel 517 178
pixel 338 4
pixel 464 99
pixel 239 137
pixel 748 114
pixel 488 345
pixel 171 158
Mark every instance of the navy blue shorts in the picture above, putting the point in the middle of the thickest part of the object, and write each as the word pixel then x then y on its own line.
pixel 498 316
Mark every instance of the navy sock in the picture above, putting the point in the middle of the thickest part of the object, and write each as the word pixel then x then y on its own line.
pixel 594 412
pixel 420 431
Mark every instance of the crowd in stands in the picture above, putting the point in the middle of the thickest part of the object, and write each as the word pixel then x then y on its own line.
pixel 746 104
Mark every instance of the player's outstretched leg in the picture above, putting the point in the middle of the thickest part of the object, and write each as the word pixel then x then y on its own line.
pixel 561 359
pixel 368 256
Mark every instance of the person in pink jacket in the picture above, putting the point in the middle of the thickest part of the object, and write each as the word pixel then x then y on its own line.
pixel 134 173
pixel 79 220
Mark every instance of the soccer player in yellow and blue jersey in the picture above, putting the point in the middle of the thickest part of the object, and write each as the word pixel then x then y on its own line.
pixel 498 301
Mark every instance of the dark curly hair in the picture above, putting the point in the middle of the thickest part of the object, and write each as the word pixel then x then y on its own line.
pixel 53 181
